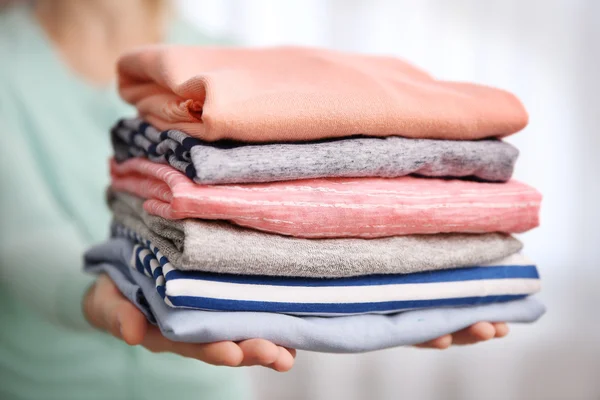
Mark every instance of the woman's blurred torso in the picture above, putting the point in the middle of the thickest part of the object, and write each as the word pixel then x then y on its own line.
pixel 54 152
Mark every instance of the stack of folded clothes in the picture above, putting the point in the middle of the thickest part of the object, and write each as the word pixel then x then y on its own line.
pixel 322 200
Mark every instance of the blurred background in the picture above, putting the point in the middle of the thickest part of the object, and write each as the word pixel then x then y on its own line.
pixel 548 53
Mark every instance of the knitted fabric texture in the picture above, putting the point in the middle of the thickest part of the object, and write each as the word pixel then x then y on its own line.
pixel 221 247
pixel 234 162
pixel 336 207
pixel 296 94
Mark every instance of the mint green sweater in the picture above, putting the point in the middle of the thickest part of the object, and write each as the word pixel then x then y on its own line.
pixel 53 162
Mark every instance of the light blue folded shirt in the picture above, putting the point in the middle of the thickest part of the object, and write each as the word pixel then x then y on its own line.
pixel 348 334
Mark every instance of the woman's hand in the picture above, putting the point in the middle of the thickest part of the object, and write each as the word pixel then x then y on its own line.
pixel 479 332
pixel 107 309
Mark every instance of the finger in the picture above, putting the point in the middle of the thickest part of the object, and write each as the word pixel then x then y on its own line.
pixel 291 351
pixel 103 305
pixel 132 324
pixel 259 352
pixel 284 361
pixel 106 286
pixel 475 333
pixel 90 301
pixel 218 353
pixel 119 316
pixel 111 311
pixel 441 343
pixel 502 329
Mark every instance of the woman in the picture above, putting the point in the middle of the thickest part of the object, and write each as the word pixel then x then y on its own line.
pixel 57 101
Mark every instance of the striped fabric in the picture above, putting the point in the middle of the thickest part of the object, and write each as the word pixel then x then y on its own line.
pixel 226 162
pixel 135 138
pixel 362 207
pixel 347 334
pixel 511 278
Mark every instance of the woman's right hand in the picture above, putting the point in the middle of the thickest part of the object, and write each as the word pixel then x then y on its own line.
pixel 107 309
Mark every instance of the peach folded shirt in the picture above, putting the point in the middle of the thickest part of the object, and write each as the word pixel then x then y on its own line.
pixel 340 207
pixel 300 94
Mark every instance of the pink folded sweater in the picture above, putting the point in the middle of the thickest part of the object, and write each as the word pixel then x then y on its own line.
pixel 298 94
pixel 341 207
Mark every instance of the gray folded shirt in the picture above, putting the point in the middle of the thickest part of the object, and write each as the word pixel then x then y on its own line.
pixel 221 247
pixel 350 334
pixel 229 162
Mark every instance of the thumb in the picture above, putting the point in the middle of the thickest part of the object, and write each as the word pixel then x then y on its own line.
pixel 112 312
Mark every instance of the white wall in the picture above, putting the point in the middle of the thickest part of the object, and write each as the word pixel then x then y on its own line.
pixel 548 53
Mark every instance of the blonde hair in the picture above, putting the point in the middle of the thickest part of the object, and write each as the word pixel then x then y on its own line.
pixel 160 14
pixel 160 8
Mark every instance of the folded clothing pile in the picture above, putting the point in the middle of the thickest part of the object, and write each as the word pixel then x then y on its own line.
pixel 322 200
